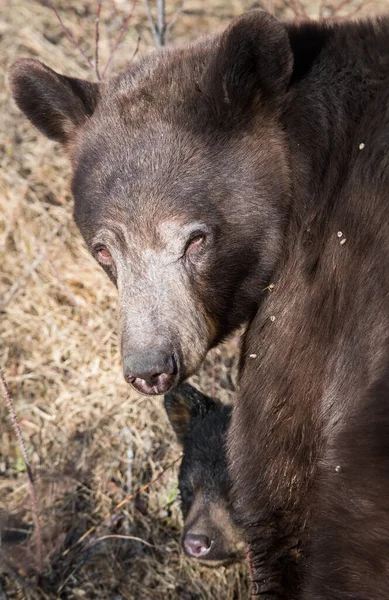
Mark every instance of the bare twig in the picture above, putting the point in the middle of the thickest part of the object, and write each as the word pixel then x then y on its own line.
pixel 343 4
pixel 151 21
pixel 123 537
pixel 136 49
pixel 23 449
pixel 30 269
pixel 298 9
pixel 347 3
pixel 356 10
pixel 97 39
pixel 157 29
pixel 161 29
pixel 119 38
pixel 127 435
pixel 130 460
pixel 95 66
pixel 174 19
pixel 337 7
pixel 322 8
pixel 161 21
pixel 124 501
pixel 69 35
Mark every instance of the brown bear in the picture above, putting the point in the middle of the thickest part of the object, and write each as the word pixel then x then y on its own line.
pixel 239 180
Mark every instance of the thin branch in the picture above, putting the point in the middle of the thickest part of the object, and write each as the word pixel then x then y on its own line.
pixel 356 10
pixel 152 23
pixel 334 10
pixel 322 8
pixel 23 449
pixel 69 35
pixel 144 487
pixel 303 10
pixel 123 537
pixel 174 19
pixel 298 9
pixel 119 38
pixel 136 49
pixel 97 39
pixel 161 29
pixel 161 22
pixel 124 501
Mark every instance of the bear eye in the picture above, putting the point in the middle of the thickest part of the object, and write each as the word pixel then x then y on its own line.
pixel 195 242
pixel 104 256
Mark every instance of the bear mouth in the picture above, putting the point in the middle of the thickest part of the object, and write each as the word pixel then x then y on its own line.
pixel 148 389
pixel 163 383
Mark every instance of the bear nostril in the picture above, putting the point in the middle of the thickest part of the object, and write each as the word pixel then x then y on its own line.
pixel 197 546
pixel 154 368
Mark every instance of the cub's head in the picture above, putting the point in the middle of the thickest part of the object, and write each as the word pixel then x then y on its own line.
pixel 201 424
pixel 180 185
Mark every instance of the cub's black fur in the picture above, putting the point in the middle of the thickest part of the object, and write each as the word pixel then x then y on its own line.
pixel 201 425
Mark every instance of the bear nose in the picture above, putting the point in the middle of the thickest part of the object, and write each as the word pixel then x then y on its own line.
pixel 197 546
pixel 150 372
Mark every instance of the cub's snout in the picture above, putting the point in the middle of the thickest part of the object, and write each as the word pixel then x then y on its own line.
pixel 201 423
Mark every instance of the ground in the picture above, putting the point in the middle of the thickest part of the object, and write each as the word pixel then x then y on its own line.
pixel 91 441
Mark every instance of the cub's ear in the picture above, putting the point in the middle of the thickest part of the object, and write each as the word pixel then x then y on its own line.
pixel 253 59
pixel 185 405
pixel 55 104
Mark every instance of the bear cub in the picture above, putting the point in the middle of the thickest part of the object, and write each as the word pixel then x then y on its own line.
pixel 200 424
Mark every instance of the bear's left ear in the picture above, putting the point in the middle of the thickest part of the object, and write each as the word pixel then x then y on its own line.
pixel 57 105
pixel 253 59
pixel 185 405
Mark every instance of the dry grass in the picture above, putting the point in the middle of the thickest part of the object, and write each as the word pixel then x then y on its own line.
pixel 91 441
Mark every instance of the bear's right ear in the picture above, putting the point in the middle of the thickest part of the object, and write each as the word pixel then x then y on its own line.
pixel 253 59
pixel 184 405
pixel 55 104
